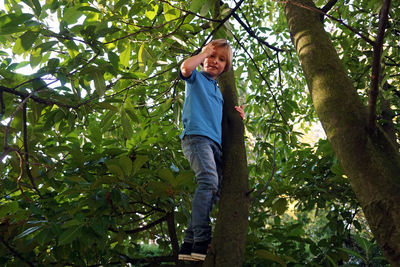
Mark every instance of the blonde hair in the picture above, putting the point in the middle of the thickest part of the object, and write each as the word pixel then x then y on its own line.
pixel 229 54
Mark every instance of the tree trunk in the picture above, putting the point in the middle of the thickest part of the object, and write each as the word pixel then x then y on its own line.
pixel 371 161
pixel 228 242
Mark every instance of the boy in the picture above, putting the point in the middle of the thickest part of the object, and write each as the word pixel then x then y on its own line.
pixel 201 140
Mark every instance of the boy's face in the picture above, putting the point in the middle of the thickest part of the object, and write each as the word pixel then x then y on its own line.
pixel 215 64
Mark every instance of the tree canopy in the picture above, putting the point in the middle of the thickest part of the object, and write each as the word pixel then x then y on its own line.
pixel 92 172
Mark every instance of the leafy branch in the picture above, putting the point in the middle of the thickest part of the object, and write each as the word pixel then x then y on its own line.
pixel 262 77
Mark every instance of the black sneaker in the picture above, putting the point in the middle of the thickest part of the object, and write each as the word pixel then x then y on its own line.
pixel 199 250
pixel 185 252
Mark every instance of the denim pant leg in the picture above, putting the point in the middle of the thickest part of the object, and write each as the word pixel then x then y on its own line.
pixel 204 156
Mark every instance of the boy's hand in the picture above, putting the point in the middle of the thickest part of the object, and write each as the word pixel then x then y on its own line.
pixel 208 50
pixel 241 111
pixel 190 64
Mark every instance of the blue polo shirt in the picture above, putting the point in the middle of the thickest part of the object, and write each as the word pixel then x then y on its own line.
pixel 202 111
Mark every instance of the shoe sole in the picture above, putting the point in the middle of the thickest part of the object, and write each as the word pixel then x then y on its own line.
pixel 199 257
pixel 183 257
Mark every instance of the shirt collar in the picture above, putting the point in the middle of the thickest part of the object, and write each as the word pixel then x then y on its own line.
pixel 208 76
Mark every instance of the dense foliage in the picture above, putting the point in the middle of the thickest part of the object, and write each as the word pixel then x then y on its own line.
pixel 91 166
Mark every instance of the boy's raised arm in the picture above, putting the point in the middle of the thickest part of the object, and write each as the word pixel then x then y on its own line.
pixel 190 64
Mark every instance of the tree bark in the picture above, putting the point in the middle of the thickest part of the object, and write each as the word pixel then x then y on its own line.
pixel 228 244
pixel 371 161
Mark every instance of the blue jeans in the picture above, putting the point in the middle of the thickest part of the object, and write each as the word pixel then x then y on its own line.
pixel 205 158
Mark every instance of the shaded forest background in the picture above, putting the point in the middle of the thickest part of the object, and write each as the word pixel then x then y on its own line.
pixel 92 173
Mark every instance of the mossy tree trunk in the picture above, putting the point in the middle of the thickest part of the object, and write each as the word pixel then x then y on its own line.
pixel 370 160
pixel 231 226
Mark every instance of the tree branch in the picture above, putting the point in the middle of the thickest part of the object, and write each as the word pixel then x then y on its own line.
pixel 13 251
pixel 26 150
pixel 152 261
pixel 172 234
pixel 35 98
pixel 327 7
pixel 376 66
pixel 253 34
pixel 141 229
pixel 233 10
pixel 2 106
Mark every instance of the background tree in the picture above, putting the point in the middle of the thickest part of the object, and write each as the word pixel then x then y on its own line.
pixel 90 103
pixel 368 155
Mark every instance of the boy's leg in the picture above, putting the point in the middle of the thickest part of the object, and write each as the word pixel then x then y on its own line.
pixel 200 151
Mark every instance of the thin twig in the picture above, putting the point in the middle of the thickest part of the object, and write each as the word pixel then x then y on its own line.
pixel 376 66
pixel 21 173
pixel 148 226
pixel 265 188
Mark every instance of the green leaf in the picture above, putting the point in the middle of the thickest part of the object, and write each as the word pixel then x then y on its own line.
pixel 205 8
pixel 35 5
pixel 139 162
pixel 106 105
pixel 125 56
pixel 120 3
pixel 132 115
pixel 364 243
pixel 126 125
pixel 29 231
pixel 69 235
pixel 265 254
pixel 166 175
pixel 144 57
pixel 114 59
pixel 166 105
pixel 280 206
pixel 46 46
pixel 71 15
pixel 331 260
pixel 99 82
pixel 70 223
pixel 25 42
pixel 151 11
pixel 114 168
pixel 106 121
pixel 89 8
pixel 170 13
pixel 45 236
pixel 95 134
pixel 195 5
pixel 14 19
pixel 184 178
pixel 8 208
pixel 126 165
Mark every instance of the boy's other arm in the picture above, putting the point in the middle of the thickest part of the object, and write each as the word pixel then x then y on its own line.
pixel 241 111
pixel 190 64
